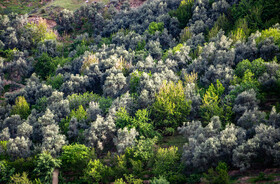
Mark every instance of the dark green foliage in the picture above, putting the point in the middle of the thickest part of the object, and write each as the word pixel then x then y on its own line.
pixel 183 13
pixel 134 81
pixel 262 177
pixel 55 81
pixel 44 67
pixel 6 171
pixel 41 104
pixel 219 175
pixel 257 67
pixel 154 26
pixel 259 14
pixel 105 103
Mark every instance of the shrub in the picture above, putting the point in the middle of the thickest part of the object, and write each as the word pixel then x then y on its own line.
pixel 76 100
pixel 6 171
pixel 183 13
pixel 74 157
pixel 171 106
pixel 135 81
pixel 167 162
pixel 160 180
pixel 55 81
pixel 44 67
pixel 211 101
pixel 185 35
pixel 97 172
pixel 21 107
pixel 141 122
pixel 20 179
pixel 44 166
pixel 271 32
pixel 80 114
pixel 154 26
pixel 219 176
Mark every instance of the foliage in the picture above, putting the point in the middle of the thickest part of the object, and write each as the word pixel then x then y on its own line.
pixel 96 172
pixel 44 66
pixel 20 179
pixel 55 81
pixel 44 167
pixel 219 175
pixel 211 101
pixel 6 171
pixel 80 114
pixel 21 107
pixel 75 156
pixel 271 32
pixel 154 26
pixel 141 122
pixel 171 106
pixel 160 180
pixel 183 13
pixel 76 100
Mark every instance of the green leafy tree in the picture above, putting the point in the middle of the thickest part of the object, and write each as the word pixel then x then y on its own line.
pixel 80 113
pixel 97 172
pixel 171 107
pixel 44 66
pixel 45 165
pixel 211 101
pixel 183 13
pixel 218 176
pixel 21 107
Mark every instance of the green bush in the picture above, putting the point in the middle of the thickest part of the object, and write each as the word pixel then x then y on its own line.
pixel 20 179
pixel 141 122
pixel 218 176
pixel 242 67
pixel 105 103
pixel 44 167
pixel 74 157
pixel 6 171
pixel 160 180
pixel 55 81
pixel 44 66
pixel 154 26
pixel 80 114
pixel 76 100
pixel 211 101
pixel 97 172
pixel 171 106
pixel 21 107
pixel 167 162
pixel 134 81
pixel 41 104
pixel 271 32
pixel 183 13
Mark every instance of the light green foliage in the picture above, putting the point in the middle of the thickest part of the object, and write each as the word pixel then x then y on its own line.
pixel 119 181
pixel 80 113
pixel 160 180
pixel 185 35
pixel 241 31
pixel 271 32
pixel 21 107
pixel 183 13
pixel 167 162
pixel 154 26
pixel 96 172
pixel 44 167
pixel 132 180
pixel 76 100
pixel 3 149
pixel 141 122
pixel 75 156
pixel 40 31
pixel 55 81
pixel 142 150
pixel 20 179
pixel 211 101
pixel 218 176
pixel 177 48
pixel 171 106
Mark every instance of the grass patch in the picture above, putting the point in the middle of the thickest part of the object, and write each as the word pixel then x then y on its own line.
pixel 19 6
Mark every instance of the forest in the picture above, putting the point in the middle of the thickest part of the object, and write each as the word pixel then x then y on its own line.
pixel 169 92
